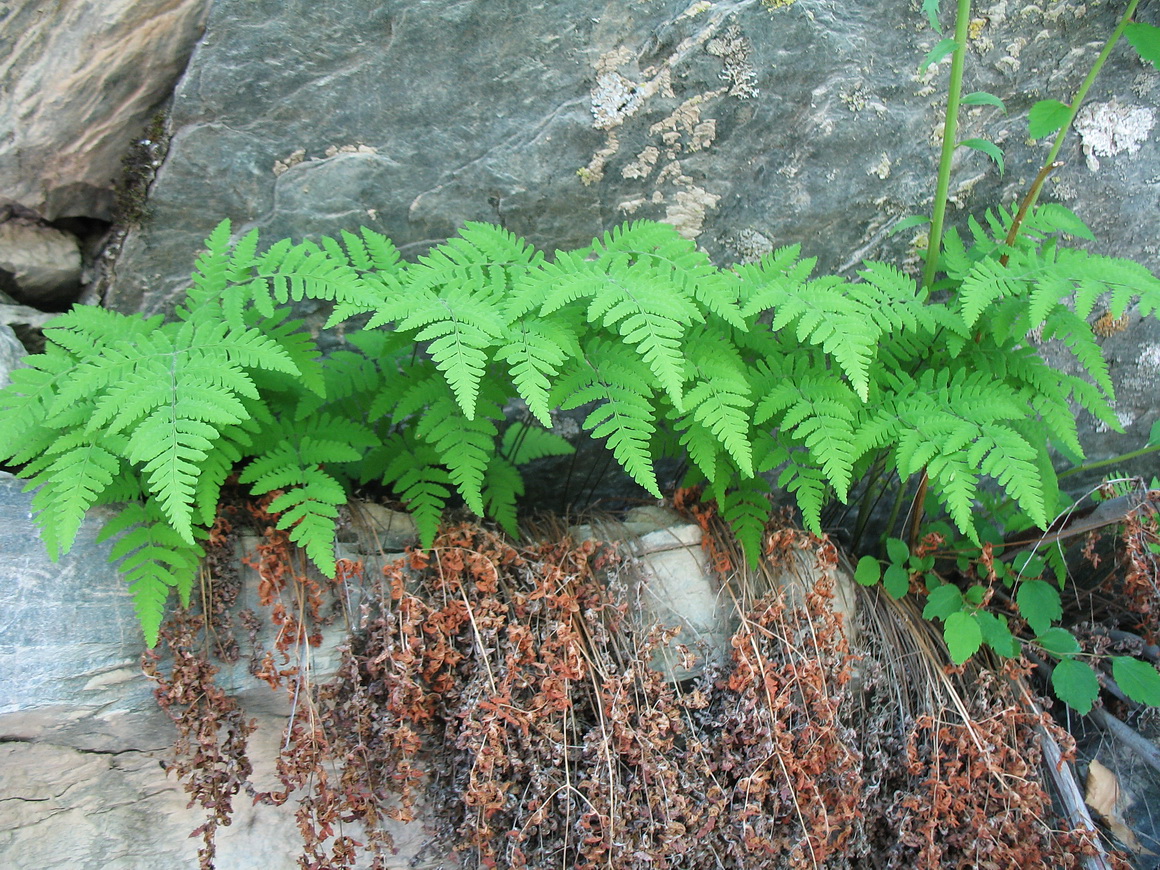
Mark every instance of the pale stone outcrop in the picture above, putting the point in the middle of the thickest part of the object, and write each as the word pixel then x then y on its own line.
pixel 79 79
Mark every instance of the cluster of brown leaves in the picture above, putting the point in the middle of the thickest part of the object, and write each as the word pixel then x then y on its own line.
pixel 524 688
pixel 979 801
pixel 1140 540
pixel 511 688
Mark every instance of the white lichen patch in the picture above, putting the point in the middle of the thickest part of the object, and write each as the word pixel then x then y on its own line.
pixel 614 98
pixel 695 10
pixel 1147 372
pixel 687 214
pixel 623 93
pixel 1107 129
pixel 882 167
pixel 335 150
pixel 644 163
pixel 685 123
pixel 295 157
pixel 750 245
pixel 594 171
pixel 734 49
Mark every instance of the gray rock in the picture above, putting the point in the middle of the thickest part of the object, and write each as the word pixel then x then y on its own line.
pixel 78 81
pixel 82 739
pixel 40 264
pixel 667 580
pixel 12 353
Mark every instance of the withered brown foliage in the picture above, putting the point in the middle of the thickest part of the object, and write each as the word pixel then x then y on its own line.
pixel 505 695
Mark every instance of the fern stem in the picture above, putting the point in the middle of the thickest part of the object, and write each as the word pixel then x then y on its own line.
pixel 895 510
pixel 916 510
pixel 950 132
pixel 1077 101
pixel 875 489
pixel 1025 206
pixel 1104 463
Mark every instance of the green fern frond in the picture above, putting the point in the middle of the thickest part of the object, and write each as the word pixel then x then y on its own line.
pixel 848 321
pixel 502 486
pixel 535 350
pixel 637 299
pixel 955 484
pixel 522 444
pixel 418 479
pixel 295 462
pixel 989 281
pixel 87 330
pixel 288 272
pixel 816 408
pixel 153 559
pixel 1005 456
pixel 347 374
pixel 1077 337
pixel 810 489
pixel 377 259
pixel 300 349
pixel 211 270
pixel 746 508
pixel 465 446
pixel 25 432
pixel 720 399
pixel 171 450
pixel 229 450
pixel 71 476
pixel 662 251
pixel 611 376
pixel 309 512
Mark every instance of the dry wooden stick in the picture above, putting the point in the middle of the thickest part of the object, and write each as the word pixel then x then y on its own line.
pixel 1068 789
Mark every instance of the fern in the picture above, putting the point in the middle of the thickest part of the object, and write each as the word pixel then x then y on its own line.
pixel 750 373
pixel 153 559
pixel 612 377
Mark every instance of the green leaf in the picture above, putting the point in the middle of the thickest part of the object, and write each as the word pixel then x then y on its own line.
pixel 930 7
pixel 1059 642
pixel 997 635
pixel 896 581
pixel 1154 435
pixel 1039 603
pixel 942 602
pixel 1139 680
pixel 914 220
pixel 941 50
pixel 982 98
pixel 989 148
pixel 897 550
pixel 1029 565
pixel 1145 38
pixel 1075 685
pixel 1047 117
pixel 868 572
pixel 962 635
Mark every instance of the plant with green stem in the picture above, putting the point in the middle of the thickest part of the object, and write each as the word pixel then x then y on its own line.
pixel 968 624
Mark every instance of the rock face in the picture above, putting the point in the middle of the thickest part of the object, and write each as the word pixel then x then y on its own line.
pixel 41 265
pixel 11 353
pixel 748 125
pixel 81 737
pixel 78 80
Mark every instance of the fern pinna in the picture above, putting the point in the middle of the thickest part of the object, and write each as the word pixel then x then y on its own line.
pixel 748 372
